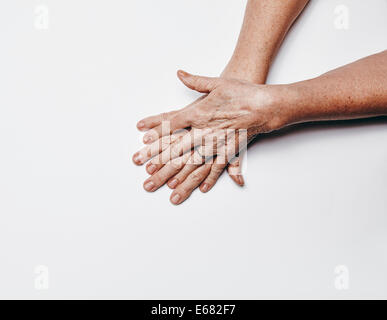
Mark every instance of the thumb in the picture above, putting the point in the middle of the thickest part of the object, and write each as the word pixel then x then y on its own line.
pixel 198 83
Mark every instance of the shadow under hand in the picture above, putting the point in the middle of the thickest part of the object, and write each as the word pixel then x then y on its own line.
pixel 319 126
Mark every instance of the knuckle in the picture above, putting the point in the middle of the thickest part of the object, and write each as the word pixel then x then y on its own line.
pixel 155 161
pixel 174 138
pixel 165 157
pixel 183 189
pixel 187 190
pixel 234 171
pixel 175 151
pixel 217 169
pixel 179 178
pixel 176 164
pixel 195 177
pixel 164 144
pixel 221 160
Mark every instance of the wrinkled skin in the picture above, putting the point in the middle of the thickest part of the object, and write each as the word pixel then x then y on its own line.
pixel 357 90
pixel 228 105
pixel 265 25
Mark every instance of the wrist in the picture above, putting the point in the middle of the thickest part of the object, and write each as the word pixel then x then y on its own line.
pixel 252 73
pixel 297 99
pixel 283 105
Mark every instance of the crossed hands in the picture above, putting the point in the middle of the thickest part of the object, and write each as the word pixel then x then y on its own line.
pixel 191 147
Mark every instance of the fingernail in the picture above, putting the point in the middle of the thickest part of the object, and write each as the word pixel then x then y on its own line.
pixel 175 199
pixel 240 180
pixel 151 169
pixel 173 183
pixel 149 186
pixel 137 158
pixel 205 187
pixel 140 125
pixel 147 139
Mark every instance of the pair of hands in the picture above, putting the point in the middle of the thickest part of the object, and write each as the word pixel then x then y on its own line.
pixel 190 147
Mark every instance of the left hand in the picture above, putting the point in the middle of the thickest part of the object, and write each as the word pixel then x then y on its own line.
pixel 229 108
pixel 229 104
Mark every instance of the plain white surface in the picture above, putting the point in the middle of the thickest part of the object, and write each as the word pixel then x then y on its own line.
pixel 72 200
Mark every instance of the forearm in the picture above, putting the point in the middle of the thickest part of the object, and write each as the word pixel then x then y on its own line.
pixel 357 90
pixel 265 25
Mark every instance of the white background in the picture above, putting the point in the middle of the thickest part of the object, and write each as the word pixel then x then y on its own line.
pixel 70 198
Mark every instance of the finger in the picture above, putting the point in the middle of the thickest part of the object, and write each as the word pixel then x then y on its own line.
pixel 153 121
pixel 198 83
pixel 213 143
pixel 179 147
pixel 209 182
pixel 153 149
pixel 192 164
pixel 222 143
pixel 179 121
pixel 161 177
pixel 152 168
pixel 237 147
pixel 234 170
pixel 184 190
pixel 170 152
pixel 236 143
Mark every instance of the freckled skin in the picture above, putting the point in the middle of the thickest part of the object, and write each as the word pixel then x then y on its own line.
pixel 265 25
pixel 237 100
pixel 357 90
